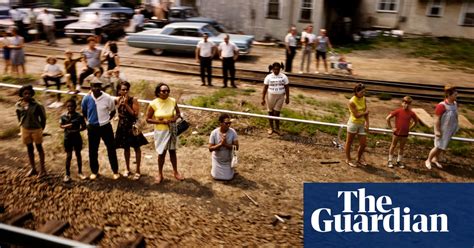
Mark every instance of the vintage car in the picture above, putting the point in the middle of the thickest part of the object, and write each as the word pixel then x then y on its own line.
pixel 111 26
pixel 183 14
pixel 61 20
pixel 111 7
pixel 184 36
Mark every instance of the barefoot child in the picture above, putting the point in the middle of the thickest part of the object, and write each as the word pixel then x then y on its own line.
pixel 405 119
pixel 32 118
pixel 71 73
pixel 73 123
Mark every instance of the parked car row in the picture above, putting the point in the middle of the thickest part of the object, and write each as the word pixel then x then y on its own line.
pixel 184 36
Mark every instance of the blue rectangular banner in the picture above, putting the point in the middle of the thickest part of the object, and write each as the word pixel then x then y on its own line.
pixel 389 215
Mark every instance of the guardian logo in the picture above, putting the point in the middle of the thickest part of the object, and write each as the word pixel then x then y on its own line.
pixel 388 215
pixel 373 214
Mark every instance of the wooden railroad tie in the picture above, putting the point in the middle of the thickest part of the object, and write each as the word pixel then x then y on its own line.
pixel 54 227
pixel 89 235
pixel 17 218
pixel 138 242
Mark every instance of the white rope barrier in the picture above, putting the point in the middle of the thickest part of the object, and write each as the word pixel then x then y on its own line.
pixel 377 130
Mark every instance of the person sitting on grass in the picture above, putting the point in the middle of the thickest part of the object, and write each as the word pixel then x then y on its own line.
pixel 221 142
pixel 405 119
pixel 73 123
pixel 52 72
pixel 32 118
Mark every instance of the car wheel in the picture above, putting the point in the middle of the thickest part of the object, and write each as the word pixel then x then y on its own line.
pixel 157 51
pixel 75 40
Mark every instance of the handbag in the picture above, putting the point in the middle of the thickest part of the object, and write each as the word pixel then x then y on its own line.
pixel 137 127
pixel 181 126
pixel 235 159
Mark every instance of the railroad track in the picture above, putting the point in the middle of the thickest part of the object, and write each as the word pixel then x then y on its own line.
pixel 426 92
pixel 12 233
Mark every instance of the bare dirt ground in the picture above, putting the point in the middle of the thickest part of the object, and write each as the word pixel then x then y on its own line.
pixel 200 211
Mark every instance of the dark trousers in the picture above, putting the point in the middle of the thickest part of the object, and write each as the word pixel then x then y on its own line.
pixel 206 66
pixel 95 133
pixel 228 66
pixel 289 58
pixel 84 74
pixel 56 80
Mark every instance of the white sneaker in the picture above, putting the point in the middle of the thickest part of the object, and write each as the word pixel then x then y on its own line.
pixel 300 72
pixel 390 164
pixel 66 179
pixel 93 176
pixel 116 176
pixel 316 72
pixel 82 177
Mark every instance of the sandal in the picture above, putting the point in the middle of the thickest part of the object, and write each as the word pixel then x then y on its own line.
pixel 136 176
pixel 438 164
pixel 270 132
pixel 178 177
pixel 158 179
pixel 351 164
pixel 126 173
pixel 363 163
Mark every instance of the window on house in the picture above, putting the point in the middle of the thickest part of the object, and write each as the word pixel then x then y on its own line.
pixel 273 9
pixel 387 5
pixel 306 9
pixel 435 8
pixel 467 14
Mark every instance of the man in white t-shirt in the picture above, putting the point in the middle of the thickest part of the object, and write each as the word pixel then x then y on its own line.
pixel 228 53
pixel 307 39
pixel 47 19
pixel 205 51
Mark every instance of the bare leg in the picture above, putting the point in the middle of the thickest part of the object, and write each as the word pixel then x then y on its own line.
pixel 126 154
pixel 271 122
pixel 347 148
pixel 138 157
pixel 325 65
pixel 362 145
pixel 161 163
pixel 174 162
pixel 31 157
pixel 317 63
pixel 277 122
pixel 40 150
pixel 393 146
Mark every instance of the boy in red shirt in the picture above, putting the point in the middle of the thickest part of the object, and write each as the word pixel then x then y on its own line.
pixel 405 119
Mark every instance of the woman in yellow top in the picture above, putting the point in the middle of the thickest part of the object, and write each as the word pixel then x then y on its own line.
pixel 163 112
pixel 358 124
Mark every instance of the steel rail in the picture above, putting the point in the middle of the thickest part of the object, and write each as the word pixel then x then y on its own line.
pixel 378 130
pixel 29 238
pixel 316 76
pixel 466 94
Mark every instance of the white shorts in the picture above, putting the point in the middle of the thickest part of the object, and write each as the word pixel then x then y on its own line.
pixel 356 128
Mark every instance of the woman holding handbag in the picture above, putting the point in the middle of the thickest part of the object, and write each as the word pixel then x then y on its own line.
pixel 163 113
pixel 222 142
pixel 125 137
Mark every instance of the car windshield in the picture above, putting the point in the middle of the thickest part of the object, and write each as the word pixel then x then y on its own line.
pixel 92 17
pixel 211 31
pixel 95 5
pixel 190 13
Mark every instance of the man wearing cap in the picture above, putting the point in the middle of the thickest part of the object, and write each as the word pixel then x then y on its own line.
pixel 99 108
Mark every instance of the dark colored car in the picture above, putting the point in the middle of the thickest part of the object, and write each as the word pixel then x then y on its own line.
pixel 110 26
pixel 111 7
pixel 184 14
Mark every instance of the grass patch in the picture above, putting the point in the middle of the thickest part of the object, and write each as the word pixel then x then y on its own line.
pixel 461 149
pixel 456 52
pixel 248 92
pixel 192 140
pixel 28 79
pixel 384 97
pixel 143 89
pixel 212 101
pixel 9 132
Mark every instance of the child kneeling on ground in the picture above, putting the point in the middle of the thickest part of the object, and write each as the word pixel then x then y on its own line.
pixel 405 119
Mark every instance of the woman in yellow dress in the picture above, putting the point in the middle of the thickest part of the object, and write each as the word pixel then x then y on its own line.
pixel 163 113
